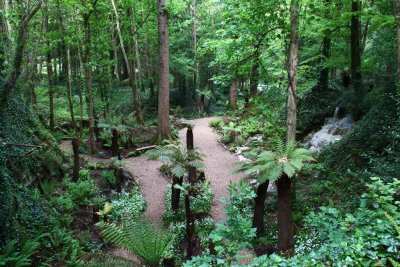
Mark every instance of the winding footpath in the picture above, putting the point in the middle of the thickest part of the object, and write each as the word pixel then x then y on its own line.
pixel 219 165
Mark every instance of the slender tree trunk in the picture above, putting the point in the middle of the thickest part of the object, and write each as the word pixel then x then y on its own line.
pixel 326 54
pixel 259 205
pixel 50 77
pixel 88 81
pixel 115 53
pixel 163 92
pixel 396 8
pixel 114 144
pixel 356 58
pixel 129 68
pixel 75 148
pixel 191 180
pixel 323 80
pixel 150 74
pixel 136 46
pixel 254 73
pixel 80 75
pixel 233 94
pixel 285 216
pixel 3 39
pixel 69 93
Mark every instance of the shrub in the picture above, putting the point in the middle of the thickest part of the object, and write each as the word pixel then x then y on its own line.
pixel 83 191
pixel 127 204
pixel 216 123
pixel 109 177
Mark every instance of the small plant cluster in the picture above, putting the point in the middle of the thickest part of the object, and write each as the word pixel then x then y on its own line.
pixel 126 204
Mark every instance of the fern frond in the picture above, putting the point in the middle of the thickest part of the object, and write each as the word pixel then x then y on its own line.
pixel 140 238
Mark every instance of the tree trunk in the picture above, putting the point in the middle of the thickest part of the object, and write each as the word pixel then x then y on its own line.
pixel 175 194
pixel 88 80
pixel 285 221
pixel 189 227
pixel 114 143
pixel 50 77
pixel 259 205
pixel 130 70
pixel 75 148
pixel 326 54
pixel 136 46
pixel 396 8
pixel 356 58
pixel 285 218
pixel 233 94
pixel 163 92
pixel 69 82
pixel 254 73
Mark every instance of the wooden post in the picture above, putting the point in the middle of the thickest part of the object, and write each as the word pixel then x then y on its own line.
pixel 189 215
pixel 114 143
pixel 119 176
pixel 75 148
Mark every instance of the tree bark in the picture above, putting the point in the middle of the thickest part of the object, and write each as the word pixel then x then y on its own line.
pixel 285 218
pixel 114 143
pixel 233 94
pixel 293 62
pixel 356 58
pixel 396 9
pixel 163 92
pixel 191 179
pixel 326 54
pixel 50 76
pixel 254 73
pixel 69 92
pixel 259 205
pixel 88 76
pixel 75 148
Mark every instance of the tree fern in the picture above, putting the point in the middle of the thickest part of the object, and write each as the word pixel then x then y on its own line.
pixel 283 159
pixel 140 238
pixel 176 159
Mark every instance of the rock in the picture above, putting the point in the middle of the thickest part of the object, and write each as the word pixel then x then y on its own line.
pixel 243 159
pixel 241 149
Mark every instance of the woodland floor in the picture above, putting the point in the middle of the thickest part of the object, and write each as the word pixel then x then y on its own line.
pixel 219 165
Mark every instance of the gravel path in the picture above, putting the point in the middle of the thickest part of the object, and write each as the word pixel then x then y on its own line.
pixel 219 164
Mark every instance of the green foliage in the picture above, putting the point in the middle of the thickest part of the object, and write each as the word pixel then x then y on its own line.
pixel 109 177
pixel 284 159
pixel 368 236
pixel 234 234
pixel 216 123
pixel 140 238
pixel 83 191
pixel 125 204
pixel 10 256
